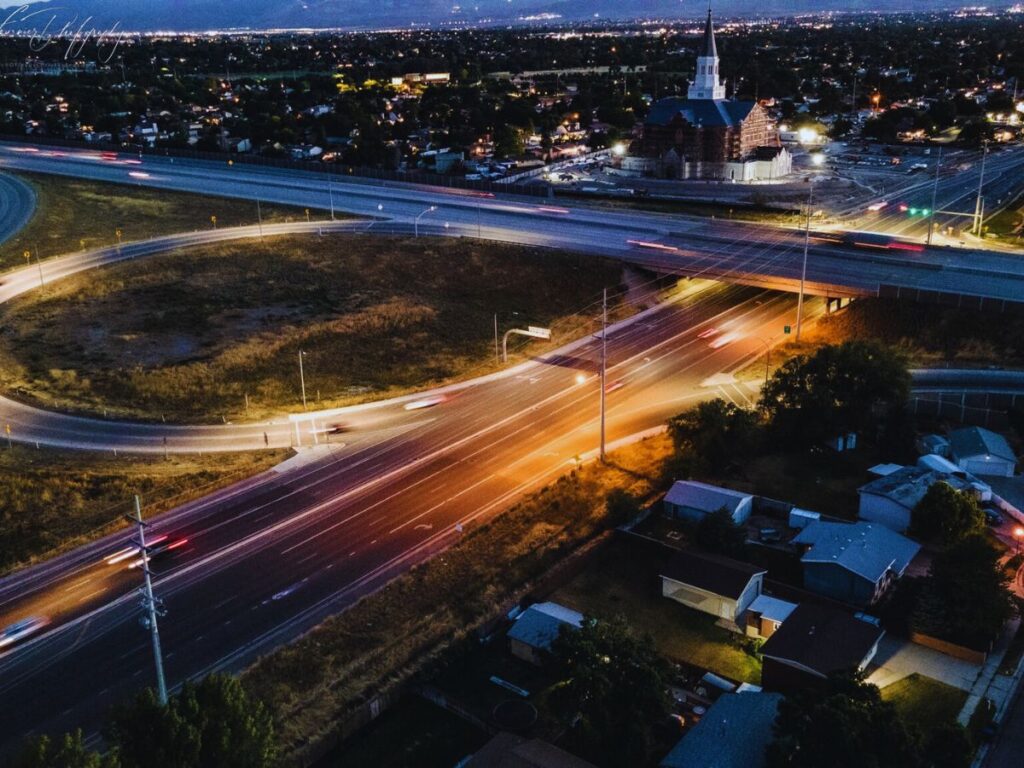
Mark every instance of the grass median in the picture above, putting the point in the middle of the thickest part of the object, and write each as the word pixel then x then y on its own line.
pixel 216 332
pixel 75 214
pixel 52 501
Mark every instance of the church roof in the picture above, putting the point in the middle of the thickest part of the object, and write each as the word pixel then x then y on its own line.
pixel 702 112
pixel 709 49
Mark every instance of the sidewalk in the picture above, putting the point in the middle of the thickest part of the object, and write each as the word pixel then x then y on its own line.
pixel 990 684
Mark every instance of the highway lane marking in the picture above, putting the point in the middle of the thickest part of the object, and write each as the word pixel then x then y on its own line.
pixel 78 583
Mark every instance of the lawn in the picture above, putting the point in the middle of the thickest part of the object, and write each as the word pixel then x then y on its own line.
pixel 73 215
pixel 619 583
pixel 412 734
pixel 53 500
pixel 193 335
pixel 925 703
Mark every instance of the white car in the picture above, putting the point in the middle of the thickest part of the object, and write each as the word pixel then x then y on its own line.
pixel 21 629
pixel 428 402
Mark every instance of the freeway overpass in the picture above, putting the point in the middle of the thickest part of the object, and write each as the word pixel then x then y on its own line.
pixel 732 251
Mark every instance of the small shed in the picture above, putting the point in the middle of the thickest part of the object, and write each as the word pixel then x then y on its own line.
pixel 766 614
pixel 691 500
pixel 530 638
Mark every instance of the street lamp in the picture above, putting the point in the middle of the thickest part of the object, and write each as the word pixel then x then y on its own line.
pixel 302 380
pixel 803 269
pixel 416 223
pixel 767 358
pixel 1018 534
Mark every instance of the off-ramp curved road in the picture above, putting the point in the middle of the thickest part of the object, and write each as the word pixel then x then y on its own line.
pixel 17 204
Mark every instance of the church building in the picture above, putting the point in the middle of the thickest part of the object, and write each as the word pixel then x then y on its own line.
pixel 706 135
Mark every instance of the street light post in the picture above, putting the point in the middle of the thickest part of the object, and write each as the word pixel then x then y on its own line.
pixel 604 364
pixel 330 191
pixel 259 217
pixel 302 379
pixel 767 359
pixel 416 223
pixel 817 160
pixel 152 606
pixel 978 205
pixel 935 193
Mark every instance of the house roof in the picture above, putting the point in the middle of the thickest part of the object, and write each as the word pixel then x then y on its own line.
pixel 734 733
pixel 700 112
pixel 822 640
pixel 506 750
pixel 707 498
pixel 718 575
pixel 865 549
pixel 976 441
pixel 540 624
pixel 772 608
pixel 908 485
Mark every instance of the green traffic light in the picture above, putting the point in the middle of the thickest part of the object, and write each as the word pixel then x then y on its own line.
pixel 913 211
pixel 925 211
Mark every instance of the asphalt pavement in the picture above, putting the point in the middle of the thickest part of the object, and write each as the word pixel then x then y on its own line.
pixel 17 204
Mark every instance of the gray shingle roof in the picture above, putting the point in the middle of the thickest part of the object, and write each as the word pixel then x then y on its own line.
pixel 701 112
pixel 975 441
pixel 908 485
pixel 865 549
pixel 707 498
pixel 824 640
pixel 540 624
pixel 734 733
pixel 718 575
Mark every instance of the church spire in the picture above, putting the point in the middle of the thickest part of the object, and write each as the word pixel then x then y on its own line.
pixel 706 84
pixel 709 49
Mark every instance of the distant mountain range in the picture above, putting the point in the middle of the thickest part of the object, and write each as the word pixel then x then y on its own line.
pixel 195 15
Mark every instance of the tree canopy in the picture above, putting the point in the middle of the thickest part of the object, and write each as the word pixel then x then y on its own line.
pixel 617 683
pixel 718 533
pixel 849 725
pixel 946 515
pixel 851 387
pixel 716 432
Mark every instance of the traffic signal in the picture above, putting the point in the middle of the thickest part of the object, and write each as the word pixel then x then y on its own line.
pixel 919 211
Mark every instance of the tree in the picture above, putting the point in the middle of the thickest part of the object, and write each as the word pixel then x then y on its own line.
pixel 508 141
pixel 946 515
pixel 69 753
pixel 209 724
pixel 621 506
pixel 965 597
pixel 847 725
pixel 718 533
pixel 717 432
pixel 617 683
pixel 857 386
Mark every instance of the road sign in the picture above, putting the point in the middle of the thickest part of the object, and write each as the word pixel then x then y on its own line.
pixel 537 332
pixel 787 329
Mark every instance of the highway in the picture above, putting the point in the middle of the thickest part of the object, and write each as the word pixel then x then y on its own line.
pixel 686 245
pixel 17 204
pixel 267 560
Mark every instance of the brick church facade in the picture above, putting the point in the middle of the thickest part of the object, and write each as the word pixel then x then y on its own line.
pixel 706 136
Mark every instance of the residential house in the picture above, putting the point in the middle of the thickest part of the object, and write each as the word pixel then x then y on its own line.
pixel 733 733
pixel 530 638
pixel 813 643
pixel 889 500
pixel 715 585
pixel 690 500
pixel 982 452
pixel 506 750
pixel 853 562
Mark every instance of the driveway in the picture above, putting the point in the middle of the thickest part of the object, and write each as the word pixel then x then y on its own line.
pixel 898 658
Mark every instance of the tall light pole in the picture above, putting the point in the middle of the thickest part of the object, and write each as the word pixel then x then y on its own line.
pixel 416 223
pixel 935 194
pixel 259 217
pixel 150 604
pixel 330 191
pixel 978 205
pixel 604 364
pixel 817 159
pixel 302 379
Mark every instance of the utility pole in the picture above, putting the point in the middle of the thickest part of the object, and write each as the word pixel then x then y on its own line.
pixel 604 363
pixel 497 353
pixel 330 191
pixel 259 217
pixel 302 380
pixel 978 205
pixel 150 604
pixel 803 269
pixel 935 194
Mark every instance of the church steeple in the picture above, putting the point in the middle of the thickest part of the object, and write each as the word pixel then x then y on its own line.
pixel 706 84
